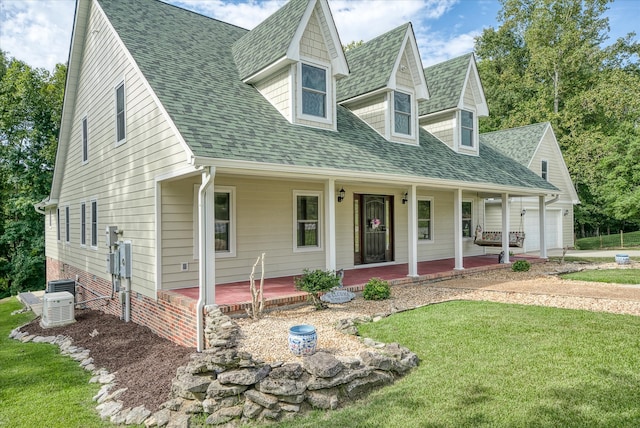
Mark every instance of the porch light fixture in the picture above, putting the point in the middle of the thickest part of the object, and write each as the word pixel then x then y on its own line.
pixel 566 213
pixel 523 212
pixel 405 198
pixel 341 194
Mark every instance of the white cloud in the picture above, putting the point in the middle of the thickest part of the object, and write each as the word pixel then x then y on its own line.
pixel 37 32
pixel 437 47
pixel 247 14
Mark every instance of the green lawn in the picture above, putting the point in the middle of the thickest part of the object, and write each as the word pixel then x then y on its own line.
pixel 38 386
pixel 497 365
pixel 627 240
pixel 617 276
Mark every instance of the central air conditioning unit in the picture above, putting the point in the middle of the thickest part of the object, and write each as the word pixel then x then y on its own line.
pixel 62 285
pixel 57 309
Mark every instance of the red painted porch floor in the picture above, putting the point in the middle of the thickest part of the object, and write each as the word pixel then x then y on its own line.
pixel 234 297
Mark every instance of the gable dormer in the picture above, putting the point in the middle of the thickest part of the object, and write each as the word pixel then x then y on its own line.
pixel 457 101
pixel 386 83
pixel 294 58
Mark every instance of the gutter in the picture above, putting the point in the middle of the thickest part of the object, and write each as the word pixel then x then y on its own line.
pixel 553 200
pixel 207 182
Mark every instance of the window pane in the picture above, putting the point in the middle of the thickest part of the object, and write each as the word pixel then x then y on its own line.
pixel 85 147
pixel 466 219
pixel 83 224
pixel 222 206
pixel 307 234
pixel 467 137
pixel 313 78
pixel 467 119
pixel 466 210
pixel 402 102
pixel 313 103
pixel 120 131
pixel 424 231
pixel 466 228
pixel 67 227
pixel 402 125
pixel 424 209
pixel 307 208
pixel 222 236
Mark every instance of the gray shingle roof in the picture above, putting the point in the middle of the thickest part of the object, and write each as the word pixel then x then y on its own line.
pixel 371 64
pixel 517 143
pixel 446 83
pixel 268 41
pixel 187 59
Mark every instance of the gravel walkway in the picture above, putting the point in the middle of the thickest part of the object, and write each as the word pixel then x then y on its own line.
pixel 266 338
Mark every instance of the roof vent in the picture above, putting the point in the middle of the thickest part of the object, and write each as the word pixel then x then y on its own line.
pixel 57 310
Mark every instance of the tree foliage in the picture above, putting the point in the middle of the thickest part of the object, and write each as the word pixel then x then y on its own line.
pixel 547 62
pixel 30 110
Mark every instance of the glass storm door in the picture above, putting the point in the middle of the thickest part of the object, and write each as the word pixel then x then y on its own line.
pixel 375 229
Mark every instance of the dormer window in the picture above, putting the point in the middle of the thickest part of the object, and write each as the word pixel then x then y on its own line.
pixel 466 125
pixel 402 113
pixel 314 91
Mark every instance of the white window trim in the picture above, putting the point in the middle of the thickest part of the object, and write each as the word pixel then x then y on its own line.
pixel 412 120
pixel 91 202
pixel 317 194
pixel 67 225
pixel 431 240
pixel 84 149
pixel 231 190
pixel 473 215
pixel 329 97
pixel 115 99
pixel 476 135
pixel 83 224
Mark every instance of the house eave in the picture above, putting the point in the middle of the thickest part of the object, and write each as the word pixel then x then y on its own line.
pixel 251 168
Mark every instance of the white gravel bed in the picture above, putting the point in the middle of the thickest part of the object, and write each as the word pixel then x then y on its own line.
pixel 266 338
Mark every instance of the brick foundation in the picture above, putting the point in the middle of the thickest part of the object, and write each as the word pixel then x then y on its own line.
pixel 171 316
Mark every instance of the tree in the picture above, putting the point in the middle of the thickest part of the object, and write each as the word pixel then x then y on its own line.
pixel 546 62
pixel 30 111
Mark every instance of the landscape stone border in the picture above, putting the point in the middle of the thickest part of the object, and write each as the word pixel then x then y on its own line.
pixel 231 387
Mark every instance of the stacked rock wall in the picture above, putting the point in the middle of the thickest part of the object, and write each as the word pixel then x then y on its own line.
pixel 229 385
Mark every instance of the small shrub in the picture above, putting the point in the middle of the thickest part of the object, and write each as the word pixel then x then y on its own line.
pixel 315 282
pixel 376 289
pixel 521 266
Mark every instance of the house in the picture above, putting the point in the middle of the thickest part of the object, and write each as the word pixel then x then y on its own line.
pixel 535 146
pixel 189 146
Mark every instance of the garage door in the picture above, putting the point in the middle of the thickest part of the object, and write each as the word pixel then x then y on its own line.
pixel 532 229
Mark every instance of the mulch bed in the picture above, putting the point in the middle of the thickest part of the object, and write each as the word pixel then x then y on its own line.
pixel 142 361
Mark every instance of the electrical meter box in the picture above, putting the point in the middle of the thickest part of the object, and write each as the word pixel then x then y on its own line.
pixel 113 264
pixel 111 233
pixel 124 250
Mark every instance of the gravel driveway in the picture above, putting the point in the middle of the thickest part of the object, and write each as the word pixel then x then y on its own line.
pixel 266 338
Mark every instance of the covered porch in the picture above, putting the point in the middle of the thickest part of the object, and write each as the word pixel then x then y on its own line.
pixel 235 297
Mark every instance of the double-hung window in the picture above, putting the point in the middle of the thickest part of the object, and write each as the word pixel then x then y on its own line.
pixel 94 224
pixel 67 225
pixel 83 224
pixel 314 91
pixel 425 220
pixel 545 170
pixel 402 113
pixel 58 223
pixel 467 219
pixel 223 222
pixel 120 114
pixel 307 220
pixel 466 128
pixel 85 141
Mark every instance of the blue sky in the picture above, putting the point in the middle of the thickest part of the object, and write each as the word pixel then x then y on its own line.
pixel 39 31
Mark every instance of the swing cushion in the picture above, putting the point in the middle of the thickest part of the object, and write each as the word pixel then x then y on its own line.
pixel 491 238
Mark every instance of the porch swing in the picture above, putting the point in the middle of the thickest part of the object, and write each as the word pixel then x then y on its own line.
pixel 494 239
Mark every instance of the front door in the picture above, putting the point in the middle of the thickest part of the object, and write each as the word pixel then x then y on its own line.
pixel 374 219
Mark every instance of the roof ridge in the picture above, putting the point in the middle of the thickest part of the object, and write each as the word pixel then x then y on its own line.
pixel 516 127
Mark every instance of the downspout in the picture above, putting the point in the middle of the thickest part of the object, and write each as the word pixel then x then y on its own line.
pixel 207 182
pixel 551 201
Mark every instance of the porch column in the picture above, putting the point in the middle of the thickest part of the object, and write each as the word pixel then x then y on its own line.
pixel 543 224
pixel 206 227
pixel 505 227
pixel 457 229
pixel 330 229
pixel 412 218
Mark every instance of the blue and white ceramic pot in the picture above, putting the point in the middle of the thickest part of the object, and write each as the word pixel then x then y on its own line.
pixel 303 339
